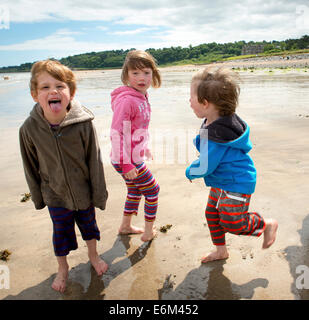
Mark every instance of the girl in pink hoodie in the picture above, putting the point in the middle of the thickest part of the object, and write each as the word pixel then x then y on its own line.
pixel 129 137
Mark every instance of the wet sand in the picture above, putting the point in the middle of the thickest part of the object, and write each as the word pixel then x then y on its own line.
pixel 169 267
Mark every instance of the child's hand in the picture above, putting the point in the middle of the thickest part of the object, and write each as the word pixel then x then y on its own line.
pixel 131 174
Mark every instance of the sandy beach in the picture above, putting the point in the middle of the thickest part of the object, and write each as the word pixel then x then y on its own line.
pixel 169 267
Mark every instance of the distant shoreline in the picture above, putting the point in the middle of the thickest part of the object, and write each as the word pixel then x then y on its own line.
pixel 300 60
pixel 281 62
pixel 294 61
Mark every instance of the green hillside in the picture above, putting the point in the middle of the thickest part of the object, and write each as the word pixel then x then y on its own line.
pixel 201 54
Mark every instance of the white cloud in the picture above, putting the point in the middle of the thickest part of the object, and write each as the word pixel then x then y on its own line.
pixel 62 41
pixel 53 10
pixel 102 28
pixel 152 12
pixel 184 22
pixel 57 42
pixel 131 32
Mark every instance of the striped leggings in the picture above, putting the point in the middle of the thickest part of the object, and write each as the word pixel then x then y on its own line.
pixel 228 212
pixel 143 185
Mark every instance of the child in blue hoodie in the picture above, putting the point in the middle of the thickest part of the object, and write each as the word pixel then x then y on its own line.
pixel 224 162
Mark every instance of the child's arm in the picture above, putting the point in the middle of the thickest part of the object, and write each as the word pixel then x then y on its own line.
pixel 209 159
pixel 31 169
pixel 121 135
pixel 96 169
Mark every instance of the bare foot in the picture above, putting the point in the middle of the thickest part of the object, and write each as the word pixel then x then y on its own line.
pixel 59 284
pixel 99 265
pixel 130 230
pixel 220 254
pixel 147 236
pixel 270 233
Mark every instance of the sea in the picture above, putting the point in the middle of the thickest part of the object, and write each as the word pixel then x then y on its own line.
pixel 266 95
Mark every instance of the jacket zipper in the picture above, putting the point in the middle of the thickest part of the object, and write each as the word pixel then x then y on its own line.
pixel 56 135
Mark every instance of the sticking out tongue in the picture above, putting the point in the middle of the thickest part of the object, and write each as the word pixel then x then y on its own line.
pixel 55 106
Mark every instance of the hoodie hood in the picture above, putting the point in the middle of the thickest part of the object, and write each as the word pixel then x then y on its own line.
pixel 125 91
pixel 224 161
pixel 76 114
pixel 231 131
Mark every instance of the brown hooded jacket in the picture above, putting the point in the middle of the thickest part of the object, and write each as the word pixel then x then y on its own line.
pixel 63 166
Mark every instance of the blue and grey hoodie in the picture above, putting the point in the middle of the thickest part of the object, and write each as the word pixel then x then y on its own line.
pixel 224 161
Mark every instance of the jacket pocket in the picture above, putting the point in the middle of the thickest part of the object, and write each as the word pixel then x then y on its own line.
pixel 236 196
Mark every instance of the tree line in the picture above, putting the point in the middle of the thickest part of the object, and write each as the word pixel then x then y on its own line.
pixel 203 53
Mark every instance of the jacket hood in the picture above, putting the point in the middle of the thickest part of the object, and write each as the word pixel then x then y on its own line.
pixel 124 91
pixel 76 114
pixel 231 131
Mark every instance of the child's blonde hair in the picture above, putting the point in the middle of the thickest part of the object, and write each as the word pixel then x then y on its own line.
pixel 138 59
pixel 56 70
pixel 218 86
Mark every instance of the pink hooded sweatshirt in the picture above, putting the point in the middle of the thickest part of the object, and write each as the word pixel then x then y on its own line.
pixel 129 130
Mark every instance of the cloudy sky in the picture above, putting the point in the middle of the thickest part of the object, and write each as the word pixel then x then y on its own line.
pixel 31 30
